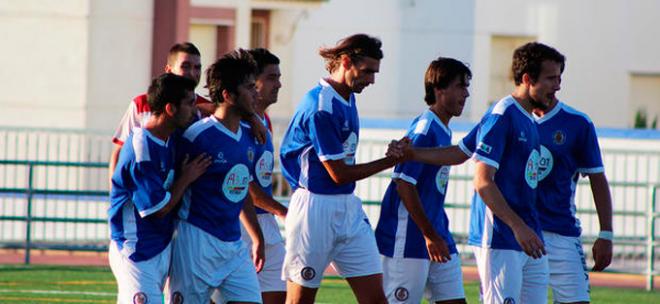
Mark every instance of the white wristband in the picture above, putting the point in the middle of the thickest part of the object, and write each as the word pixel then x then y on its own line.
pixel 606 235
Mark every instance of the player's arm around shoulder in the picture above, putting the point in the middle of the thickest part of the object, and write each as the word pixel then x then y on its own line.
pixel 484 184
pixel 190 171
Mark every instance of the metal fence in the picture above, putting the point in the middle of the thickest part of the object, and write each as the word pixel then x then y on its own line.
pixel 54 183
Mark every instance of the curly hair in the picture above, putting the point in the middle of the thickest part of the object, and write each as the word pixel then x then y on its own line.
pixel 229 72
pixel 529 59
pixel 355 46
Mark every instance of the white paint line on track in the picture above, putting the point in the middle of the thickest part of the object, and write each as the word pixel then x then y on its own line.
pixel 61 292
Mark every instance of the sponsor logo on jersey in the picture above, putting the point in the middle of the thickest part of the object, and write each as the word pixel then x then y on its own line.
pixel 307 273
pixel 484 147
pixel 559 138
pixel 235 185
pixel 140 298
pixel 401 294
pixel 264 169
pixel 220 158
pixel 177 298
pixel 522 137
pixel 532 169
pixel 509 300
pixel 441 179
pixel 545 163
pixel 350 146
pixel 345 127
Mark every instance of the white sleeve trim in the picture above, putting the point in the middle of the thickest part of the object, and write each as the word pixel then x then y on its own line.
pixel 487 161
pixel 591 170
pixel 156 208
pixel 332 156
pixel 464 149
pixel 404 177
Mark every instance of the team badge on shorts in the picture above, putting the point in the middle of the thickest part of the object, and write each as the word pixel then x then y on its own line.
pixel 177 298
pixel 140 298
pixel 401 294
pixel 509 300
pixel 308 273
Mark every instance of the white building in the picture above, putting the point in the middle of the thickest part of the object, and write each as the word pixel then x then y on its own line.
pixel 77 63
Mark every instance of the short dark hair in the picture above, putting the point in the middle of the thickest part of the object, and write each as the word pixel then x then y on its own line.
pixel 229 72
pixel 168 88
pixel 529 59
pixel 263 57
pixel 355 46
pixel 440 73
pixel 184 47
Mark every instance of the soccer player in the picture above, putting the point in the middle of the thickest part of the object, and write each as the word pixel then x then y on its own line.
pixel 413 235
pixel 208 252
pixel 183 59
pixel 569 147
pixel 325 223
pixel 273 288
pixel 145 192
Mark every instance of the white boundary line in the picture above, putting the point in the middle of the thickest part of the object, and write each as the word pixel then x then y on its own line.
pixel 62 292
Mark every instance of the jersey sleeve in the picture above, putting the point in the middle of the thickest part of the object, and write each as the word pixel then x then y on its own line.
pixel 129 121
pixel 150 194
pixel 411 171
pixel 588 158
pixel 468 143
pixel 325 135
pixel 492 139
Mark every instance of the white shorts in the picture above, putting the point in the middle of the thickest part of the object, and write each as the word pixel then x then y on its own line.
pixel 139 282
pixel 510 276
pixel 406 280
pixel 569 277
pixel 201 262
pixel 270 277
pixel 321 229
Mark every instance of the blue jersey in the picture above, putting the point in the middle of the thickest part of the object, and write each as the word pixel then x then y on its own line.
pixel 140 184
pixel 263 166
pixel 568 147
pixel 324 127
pixel 397 235
pixel 507 139
pixel 214 201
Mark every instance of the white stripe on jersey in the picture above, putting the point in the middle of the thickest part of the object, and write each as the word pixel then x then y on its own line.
pixel 487 235
pixel 303 179
pixel 130 229
pixel 404 177
pixel 158 206
pixel 401 231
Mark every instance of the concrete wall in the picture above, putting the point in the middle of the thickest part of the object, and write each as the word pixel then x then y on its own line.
pixel 413 33
pixel 77 63
pixel 604 41
pixel 72 63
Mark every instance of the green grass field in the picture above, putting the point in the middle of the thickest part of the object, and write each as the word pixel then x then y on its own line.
pixel 62 284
